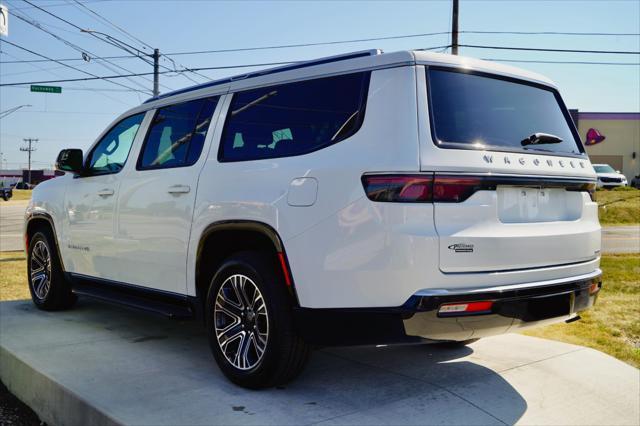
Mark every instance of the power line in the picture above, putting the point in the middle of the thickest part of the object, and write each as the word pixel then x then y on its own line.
pixel 94 77
pixel 108 40
pixel 102 18
pixel 80 5
pixel 324 43
pixel 286 46
pixel 538 49
pixel 56 5
pixel 82 51
pixel 147 73
pixel 551 33
pixel 68 59
pixel 66 88
pixel 561 62
pixel 93 35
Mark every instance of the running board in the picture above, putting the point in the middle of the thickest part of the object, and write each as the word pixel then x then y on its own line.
pixel 170 305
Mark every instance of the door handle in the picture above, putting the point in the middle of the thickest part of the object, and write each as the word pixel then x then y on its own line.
pixel 179 189
pixel 106 192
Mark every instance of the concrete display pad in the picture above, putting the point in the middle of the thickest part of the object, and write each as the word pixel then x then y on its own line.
pixel 100 364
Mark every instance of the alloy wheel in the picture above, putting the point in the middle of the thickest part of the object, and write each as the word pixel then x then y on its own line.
pixel 40 269
pixel 241 322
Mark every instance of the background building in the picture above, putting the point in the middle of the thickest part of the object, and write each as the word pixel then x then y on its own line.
pixel 11 176
pixel 616 136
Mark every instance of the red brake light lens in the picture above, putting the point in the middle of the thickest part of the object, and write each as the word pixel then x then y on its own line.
pixel 398 188
pixel 455 189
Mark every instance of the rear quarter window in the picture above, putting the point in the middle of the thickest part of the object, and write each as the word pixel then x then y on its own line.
pixel 479 111
pixel 293 119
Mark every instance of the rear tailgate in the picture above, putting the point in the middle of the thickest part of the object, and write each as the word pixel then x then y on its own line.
pixel 516 223
pixel 512 183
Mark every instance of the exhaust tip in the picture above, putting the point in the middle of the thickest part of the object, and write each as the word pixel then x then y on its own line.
pixel 574 319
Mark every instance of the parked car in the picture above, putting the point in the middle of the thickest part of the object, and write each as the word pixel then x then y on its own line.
pixel 360 199
pixel 6 193
pixel 608 177
pixel 24 185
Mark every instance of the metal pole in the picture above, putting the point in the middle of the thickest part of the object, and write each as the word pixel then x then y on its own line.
pixel 454 28
pixel 29 149
pixel 156 76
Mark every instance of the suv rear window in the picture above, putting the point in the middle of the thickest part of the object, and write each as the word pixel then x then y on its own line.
pixel 477 111
pixel 293 119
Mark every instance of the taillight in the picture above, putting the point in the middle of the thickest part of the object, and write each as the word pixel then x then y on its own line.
pixel 454 189
pixel 398 188
pixel 450 188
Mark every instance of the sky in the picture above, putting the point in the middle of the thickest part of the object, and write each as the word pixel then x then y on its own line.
pixel 74 118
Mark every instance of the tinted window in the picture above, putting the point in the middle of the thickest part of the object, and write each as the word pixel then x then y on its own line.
pixel 472 110
pixel 110 154
pixel 177 134
pixel 605 168
pixel 293 119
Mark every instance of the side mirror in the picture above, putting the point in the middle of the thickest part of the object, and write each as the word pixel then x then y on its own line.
pixel 617 171
pixel 70 160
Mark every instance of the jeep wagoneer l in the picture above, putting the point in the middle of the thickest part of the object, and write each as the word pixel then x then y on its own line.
pixel 365 198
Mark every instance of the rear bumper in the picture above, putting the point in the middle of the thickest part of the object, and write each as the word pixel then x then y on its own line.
pixel 514 307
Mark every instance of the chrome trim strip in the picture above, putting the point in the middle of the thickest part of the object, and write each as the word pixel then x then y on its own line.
pixel 500 289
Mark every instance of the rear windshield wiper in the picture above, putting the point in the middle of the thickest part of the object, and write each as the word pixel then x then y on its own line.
pixel 541 138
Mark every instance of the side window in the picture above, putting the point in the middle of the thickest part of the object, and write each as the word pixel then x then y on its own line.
pixel 110 154
pixel 177 134
pixel 293 119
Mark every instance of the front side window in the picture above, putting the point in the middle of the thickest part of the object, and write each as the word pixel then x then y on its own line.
pixel 471 110
pixel 293 119
pixel 177 134
pixel 110 154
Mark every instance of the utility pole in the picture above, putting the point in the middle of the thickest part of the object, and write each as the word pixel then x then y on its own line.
pixel 156 66
pixel 454 28
pixel 29 149
pixel 127 47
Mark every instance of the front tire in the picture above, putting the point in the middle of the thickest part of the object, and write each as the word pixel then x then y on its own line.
pixel 249 323
pixel 49 289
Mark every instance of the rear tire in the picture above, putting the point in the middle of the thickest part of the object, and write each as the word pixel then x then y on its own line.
pixel 50 291
pixel 249 323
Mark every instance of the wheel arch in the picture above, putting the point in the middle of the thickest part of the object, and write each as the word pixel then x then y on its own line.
pixel 38 220
pixel 221 239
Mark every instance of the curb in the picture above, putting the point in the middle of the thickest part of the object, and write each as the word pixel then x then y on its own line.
pixel 53 403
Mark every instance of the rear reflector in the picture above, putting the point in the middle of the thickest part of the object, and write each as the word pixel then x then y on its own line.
pixel 285 269
pixel 466 308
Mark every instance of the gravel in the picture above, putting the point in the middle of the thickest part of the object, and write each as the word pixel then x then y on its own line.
pixel 14 412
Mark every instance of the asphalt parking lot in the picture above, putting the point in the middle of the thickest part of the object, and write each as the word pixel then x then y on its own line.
pixel 11 219
pixel 100 364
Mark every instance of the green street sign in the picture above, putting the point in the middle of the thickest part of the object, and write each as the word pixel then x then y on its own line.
pixel 46 89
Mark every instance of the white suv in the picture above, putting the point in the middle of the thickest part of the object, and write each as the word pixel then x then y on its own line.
pixel 366 198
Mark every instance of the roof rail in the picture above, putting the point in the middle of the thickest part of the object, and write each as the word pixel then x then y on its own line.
pixel 293 66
